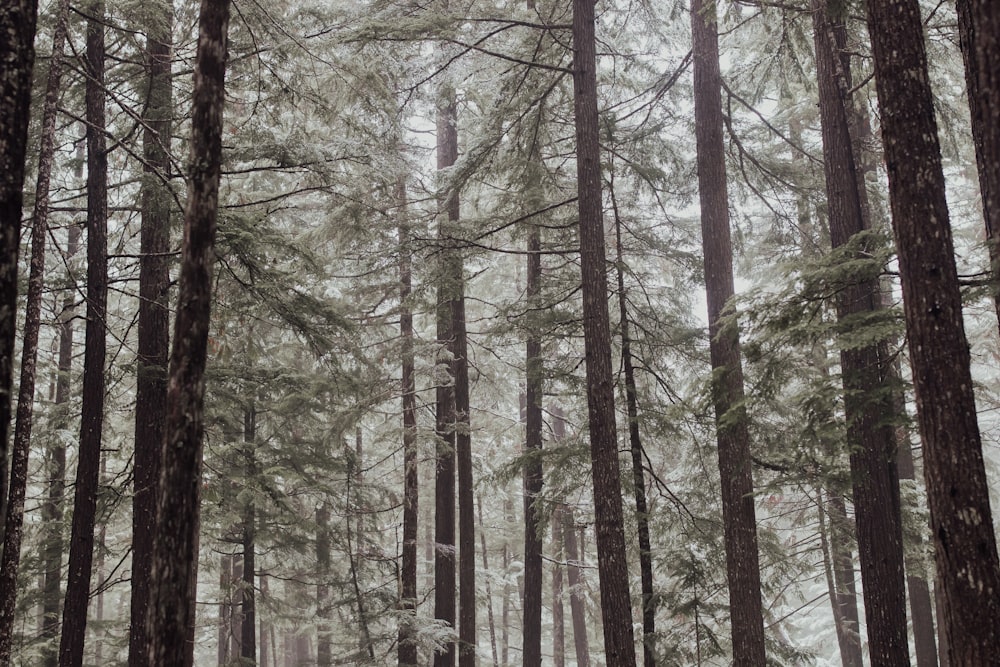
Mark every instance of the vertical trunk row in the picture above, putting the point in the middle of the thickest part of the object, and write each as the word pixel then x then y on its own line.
pixel 154 317
pixel 406 644
pixel 616 603
pixel 958 496
pixel 867 402
pixel 17 58
pixel 14 521
pixel 742 560
pixel 175 548
pixel 81 548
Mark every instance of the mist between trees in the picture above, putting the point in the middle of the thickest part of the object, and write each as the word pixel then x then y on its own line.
pixel 526 333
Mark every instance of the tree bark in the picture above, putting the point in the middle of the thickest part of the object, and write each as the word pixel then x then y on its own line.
pixel 868 405
pixel 961 521
pixel 406 643
pixel 489 588
pixel 17 58
pixel 841 539
pixel 616 604
pixel 14 521
pixel 175 549
pixel 324 652
pixel 558 609
pixel 248 605
pixel 81 549
pixel 154 316
pixel 732 432
pixel 979 37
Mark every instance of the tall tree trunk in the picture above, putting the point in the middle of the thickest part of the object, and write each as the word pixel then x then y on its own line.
pixel 508 510
pixel 979 36
pixel 14 521
pixel 958 494
pixel 841 538
pixel 635 445
pixel 616 604
pixel 865 372
pixel 81 549
pixel 844 641
pixel 733 436
pixel 489 588
pixel 558 609
pixel 154 317
pixel 466 499
pixel 248 605
pixel 445 427
pixel 324 652
pixel 225 609
pixel 531 636
pixel 17 57
pixel 407 644
pixel 577 601
pixel 175 549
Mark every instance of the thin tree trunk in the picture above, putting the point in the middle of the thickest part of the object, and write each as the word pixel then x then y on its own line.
pixel 175 549
pixel 248 606
pixel 353 551
pixel 489 588
pixel 742 565
pixel 843 641
pixel 843 575
pixel 445 427
pixel 616 604
pixel 225 608
pixel 81 549
pixel 558 609
pixel 14 518
pixel 865 372
pixel 958 494
pixel 635 445
pixel 508 509
pixel 154 316
pixel 979 37
pixel 324 653
pixel 17 57
pixel 406 644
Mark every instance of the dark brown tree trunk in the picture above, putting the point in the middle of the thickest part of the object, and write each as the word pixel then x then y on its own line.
pixel 324 652
pixel 406 644
pixel 225 609
pixel 865 371
pixel 466 499
pixel 616 604
pixel 942 634
pixel 175 549
pixel 154 316
pixel 505 610
pixel 979 36
pixel 531 635
pixel 445 427
pixel 558 609
pixel 248 604
pixel 730 417
pixel 635 445
pixel 81 548
pixel 354 542
pixel 13 532
pixel 17 57
pixel 958 495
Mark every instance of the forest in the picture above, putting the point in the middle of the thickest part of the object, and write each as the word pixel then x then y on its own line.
pixel 464 333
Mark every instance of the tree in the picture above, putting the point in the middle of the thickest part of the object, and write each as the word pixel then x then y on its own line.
pixel 154 316
pixel 17 57
pixel 81 547
pixel 616 604
pixel 864 367
pixel 958 496
pixel 731 425
pixel 179 490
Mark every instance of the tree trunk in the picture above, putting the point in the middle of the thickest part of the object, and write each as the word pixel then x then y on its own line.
pixel 841 539
pixel 407 644
pixel 730 417
pixel 14 522
pixel 81 549
pixel 867 402
pixel 248 606
pixel 175 549
pixel 489 588
pixel 616 604
pixel 324 653
pixel 154 316
pixel 577 599
pixel 17 57
pixel 635 445
pixel 445 427
pixel 558 609
pixel 979 36
pixel 961 521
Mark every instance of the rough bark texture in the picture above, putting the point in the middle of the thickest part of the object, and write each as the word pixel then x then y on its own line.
pixel 961 521
pixel 14 523
pixel 444 480
pixel 979 36
pixel 17 57
pixel 865 371
pixel 616 603
pixel 466 499
pixel 81 548
pixel 406 644
pixel 731 423
pixel 532 605
pixel 154 318
pixel 175 549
